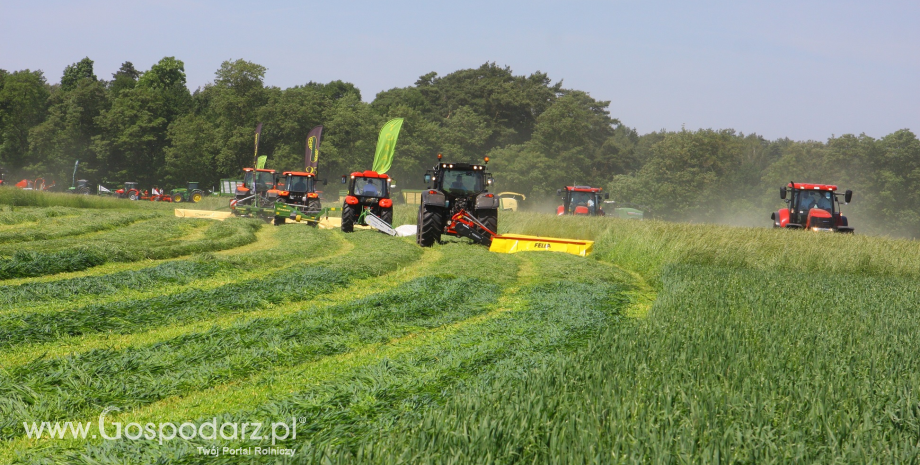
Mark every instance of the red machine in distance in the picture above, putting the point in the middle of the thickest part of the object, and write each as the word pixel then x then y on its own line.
pixel 581 200
pixel 812 206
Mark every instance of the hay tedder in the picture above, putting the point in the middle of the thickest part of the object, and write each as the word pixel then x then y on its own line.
pixel 812 206
pixel 458 203
pixel 368 202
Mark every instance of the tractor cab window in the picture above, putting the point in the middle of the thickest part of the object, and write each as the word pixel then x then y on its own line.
pixel 247 178
pixel 299 184
pixel 822 200
pixel 462 181
pixel 265 180
pixel 371 187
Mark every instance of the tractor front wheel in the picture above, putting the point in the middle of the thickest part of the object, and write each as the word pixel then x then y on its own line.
pixel 313 205
pixel 489 219
pixel 348 218
pixel 178 198
pixel 279 220
pixel 430 225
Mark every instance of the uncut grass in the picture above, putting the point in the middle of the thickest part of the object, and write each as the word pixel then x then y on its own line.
pixel 155 239
pixel 730 367
pixel 16 197
pixel 647 246
pixel 373 255
pixel 553 316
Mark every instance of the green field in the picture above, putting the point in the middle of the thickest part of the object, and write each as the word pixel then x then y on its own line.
pixel 672 343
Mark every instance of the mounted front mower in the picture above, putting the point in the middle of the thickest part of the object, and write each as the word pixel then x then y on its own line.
pixel 581 200
pixel 368 201
pixel 812 206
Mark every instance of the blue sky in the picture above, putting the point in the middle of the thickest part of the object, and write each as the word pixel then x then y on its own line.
pixel 799 69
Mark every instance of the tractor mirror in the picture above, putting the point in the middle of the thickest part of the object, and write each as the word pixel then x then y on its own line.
pixel 427 178
pixel 782 193
pixel 490 181
pixel 343 179
pixel 848 196
pixel 558 191
pixel 606 195
pixel 325 181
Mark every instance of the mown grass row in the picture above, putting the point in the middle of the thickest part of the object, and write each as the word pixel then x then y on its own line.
pixel 156 239
pixel 54 226
pixel 290 284
pixel 141 375
pixel 10 216
pixel 405 377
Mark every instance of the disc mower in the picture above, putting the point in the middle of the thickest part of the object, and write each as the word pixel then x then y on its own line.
pixel 368 199
pixel 812 206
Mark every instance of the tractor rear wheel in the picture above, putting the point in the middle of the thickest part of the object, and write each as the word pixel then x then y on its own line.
pixel 430 226
pixel 348 218
pixel 133 195
pixel 489 219
pixel 197 196
pixel 178 198
pixel 386 214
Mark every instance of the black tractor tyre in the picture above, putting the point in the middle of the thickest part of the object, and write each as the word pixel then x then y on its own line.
pixel 348 218
pixel 178 198
pixel 279 220
pixel 386 214
pixel 133 195
pixel 196 196
pixel 313 205
pixel 82 190
pixel 489 219
pixel 431 225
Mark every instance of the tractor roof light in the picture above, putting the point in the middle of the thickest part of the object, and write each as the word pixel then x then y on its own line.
pixel 439 156
pixel 486 159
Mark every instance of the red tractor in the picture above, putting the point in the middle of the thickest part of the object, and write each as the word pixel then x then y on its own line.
pixel 265 188
pixel 581 200
pixel 130 192
pixel 299 188
pixel 812 206
pixel 368 193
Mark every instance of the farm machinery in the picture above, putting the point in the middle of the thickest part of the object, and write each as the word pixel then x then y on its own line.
pixel 368 201
pixel 264 194
pixel 130 192
pixel 458 203
pixel 581 200
pixel 812 206
pixel 190 193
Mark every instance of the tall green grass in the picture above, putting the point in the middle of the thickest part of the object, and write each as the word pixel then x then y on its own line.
pixel 22 198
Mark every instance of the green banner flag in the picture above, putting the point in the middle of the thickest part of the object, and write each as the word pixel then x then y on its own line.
pixel 260 165
pixel 386 145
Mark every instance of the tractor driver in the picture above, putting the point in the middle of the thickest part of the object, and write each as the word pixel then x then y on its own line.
pixel 369 189
pixel 300 186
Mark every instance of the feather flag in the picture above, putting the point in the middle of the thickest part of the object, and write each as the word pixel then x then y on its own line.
pixel 386 145
pixel 311 157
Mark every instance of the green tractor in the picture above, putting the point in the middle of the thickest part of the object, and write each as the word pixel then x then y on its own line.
pixel 190 194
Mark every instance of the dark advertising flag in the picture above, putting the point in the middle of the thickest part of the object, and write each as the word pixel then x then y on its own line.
pixel 311 158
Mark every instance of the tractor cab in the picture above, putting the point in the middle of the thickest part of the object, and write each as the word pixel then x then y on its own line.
pixel 368 192
pixel 264 181
pixel 812 206
pixel 458 194
pixel 299 187
pixel 581 200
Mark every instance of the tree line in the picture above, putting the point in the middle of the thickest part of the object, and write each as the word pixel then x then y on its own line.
pixel 146 126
